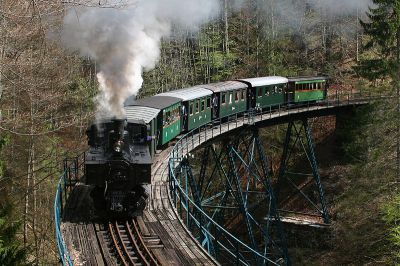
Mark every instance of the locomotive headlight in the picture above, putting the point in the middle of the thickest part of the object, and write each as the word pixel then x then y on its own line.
pixel 118 146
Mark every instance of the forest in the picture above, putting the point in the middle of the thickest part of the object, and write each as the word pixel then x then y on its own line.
pixel 49 93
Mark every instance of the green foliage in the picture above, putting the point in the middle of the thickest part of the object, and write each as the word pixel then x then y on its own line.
pixel 392 217
pixel 11 252
pixel 3 142
pixel 358 135
pixel 83 90
pixel 383 28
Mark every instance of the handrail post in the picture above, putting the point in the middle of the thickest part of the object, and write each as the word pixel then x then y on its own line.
pixel 236 118
pixel 76 170
pixel 61 201
pixel 199 134
pixel 187 144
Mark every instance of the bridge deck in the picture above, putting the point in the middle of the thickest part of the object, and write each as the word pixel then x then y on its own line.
pixel 85 239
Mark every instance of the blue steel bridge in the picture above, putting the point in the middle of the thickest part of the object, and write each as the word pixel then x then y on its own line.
pixel 213 198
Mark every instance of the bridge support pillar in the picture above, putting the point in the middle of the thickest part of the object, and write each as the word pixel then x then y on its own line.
pixel 299 132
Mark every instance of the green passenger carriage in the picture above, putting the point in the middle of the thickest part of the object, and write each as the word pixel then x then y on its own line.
pixel 307 89
pixel 162 115
pixel 265 92
pixel 196 106
pixel 228 98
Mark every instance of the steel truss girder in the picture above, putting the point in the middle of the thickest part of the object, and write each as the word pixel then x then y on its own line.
pixel 308 147
pixel 240 164
pixel 195 188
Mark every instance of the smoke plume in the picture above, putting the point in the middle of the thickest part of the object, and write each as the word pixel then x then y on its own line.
pixel 342 7
pixel 294 12
pixel 126 41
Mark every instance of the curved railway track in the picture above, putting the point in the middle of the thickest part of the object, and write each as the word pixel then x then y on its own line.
pixel 129 245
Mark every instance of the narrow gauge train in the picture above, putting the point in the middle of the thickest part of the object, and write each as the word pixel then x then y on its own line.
pixel 121 151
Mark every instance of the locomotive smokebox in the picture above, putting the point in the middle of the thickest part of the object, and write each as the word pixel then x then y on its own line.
pixel 118 135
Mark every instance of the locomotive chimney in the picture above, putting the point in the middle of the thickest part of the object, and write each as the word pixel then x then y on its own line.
pixel 118 136
pixel 118 126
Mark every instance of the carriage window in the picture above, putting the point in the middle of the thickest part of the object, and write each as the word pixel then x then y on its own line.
pixel 191 108
pixel 197 106
pixel 243 95
pixel 230 98
pixel 280 90
pixel 223 98
pixel 208 102
pixel 172 117
pixel 259 93
pixel 203 105
pixel 236 96
pixel 176 115
pixel 167 118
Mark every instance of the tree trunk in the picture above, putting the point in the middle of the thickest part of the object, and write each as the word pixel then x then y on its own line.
pixel 398 105
pixel 226 27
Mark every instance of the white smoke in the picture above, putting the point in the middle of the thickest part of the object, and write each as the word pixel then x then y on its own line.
pixel 342 7
pixel 126 41
pixel 294 12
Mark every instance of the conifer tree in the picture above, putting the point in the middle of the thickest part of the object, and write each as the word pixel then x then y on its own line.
pixel 11 252
pixel 383 29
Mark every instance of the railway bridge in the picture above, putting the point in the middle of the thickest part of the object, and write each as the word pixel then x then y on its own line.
pixel 212 199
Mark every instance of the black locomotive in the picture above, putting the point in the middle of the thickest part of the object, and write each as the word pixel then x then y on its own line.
pixel 119 163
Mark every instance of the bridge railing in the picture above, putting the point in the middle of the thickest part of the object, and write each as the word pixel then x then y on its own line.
pixel 191 214
pixel 73 171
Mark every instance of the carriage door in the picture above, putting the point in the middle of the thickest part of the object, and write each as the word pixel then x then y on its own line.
pixel 215 105
pixel 185 112
pixel 290 92
pixel 251 98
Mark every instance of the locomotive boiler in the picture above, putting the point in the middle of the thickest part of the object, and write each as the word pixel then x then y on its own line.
pixel 118 163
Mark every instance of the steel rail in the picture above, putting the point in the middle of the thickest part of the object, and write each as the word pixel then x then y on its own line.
pixel 136 238
pixel 117 245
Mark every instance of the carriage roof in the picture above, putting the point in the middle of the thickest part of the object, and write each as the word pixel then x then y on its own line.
pixel 135 113
pixel 157 102
pixel 187 94
pixel 265 81
pixel 310 78
pixel 224 86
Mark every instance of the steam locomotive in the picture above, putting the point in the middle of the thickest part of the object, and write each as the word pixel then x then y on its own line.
pixel 119 162
pixel 121 151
